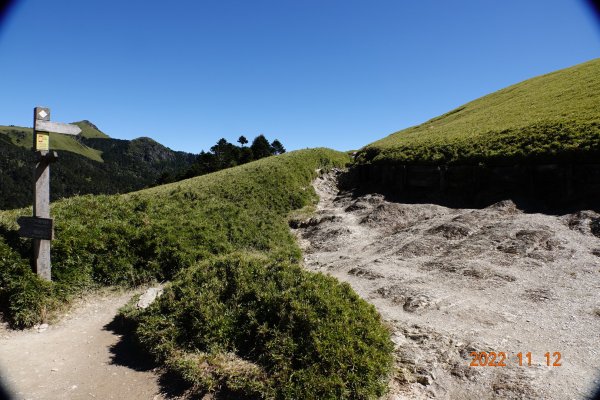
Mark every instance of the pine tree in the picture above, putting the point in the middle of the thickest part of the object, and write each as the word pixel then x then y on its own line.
pixel 277 147
pixel 242 140
pixel 261 147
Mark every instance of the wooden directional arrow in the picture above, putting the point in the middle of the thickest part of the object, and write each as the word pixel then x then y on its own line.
pixel 42 126
pixel 57 127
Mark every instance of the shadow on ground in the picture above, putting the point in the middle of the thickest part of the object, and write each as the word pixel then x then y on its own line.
pixel 127 352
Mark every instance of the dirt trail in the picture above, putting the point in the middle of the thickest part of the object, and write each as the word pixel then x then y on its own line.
pixel 453 281
pixel 81 357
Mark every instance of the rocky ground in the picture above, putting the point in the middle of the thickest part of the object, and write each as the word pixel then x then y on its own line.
pixel 455 281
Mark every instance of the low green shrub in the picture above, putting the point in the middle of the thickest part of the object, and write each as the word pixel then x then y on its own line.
pixel 263 328
pixel 24 298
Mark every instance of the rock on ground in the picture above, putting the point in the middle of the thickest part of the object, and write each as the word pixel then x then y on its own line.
pixel 149 296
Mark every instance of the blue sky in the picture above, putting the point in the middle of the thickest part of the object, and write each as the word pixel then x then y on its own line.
pixel 331 73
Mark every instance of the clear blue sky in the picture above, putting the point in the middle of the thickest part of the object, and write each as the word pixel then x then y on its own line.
pixel 311 73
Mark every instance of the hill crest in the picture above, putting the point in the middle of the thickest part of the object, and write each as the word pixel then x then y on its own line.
pixel 90 130
pixel 91 162
pixel 570 96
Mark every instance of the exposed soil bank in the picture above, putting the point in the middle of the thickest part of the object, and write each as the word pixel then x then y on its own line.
pixel 551 188
pixel 455 281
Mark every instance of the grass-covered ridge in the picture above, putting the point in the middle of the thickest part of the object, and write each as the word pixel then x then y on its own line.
pixel 91 163
pixel 551 115
pixel 151 234
pixel 89 130
pixel 240 314
pixel 23 137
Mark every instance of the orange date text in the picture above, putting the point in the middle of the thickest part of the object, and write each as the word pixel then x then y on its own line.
pixel 500 359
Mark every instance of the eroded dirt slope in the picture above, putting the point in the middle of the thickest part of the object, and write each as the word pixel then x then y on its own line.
pixel 453 281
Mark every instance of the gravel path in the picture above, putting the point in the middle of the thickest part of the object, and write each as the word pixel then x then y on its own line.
pixel 81 357
pixel 455 281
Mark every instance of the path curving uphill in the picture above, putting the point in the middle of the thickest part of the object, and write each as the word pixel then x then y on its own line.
pixel 451 282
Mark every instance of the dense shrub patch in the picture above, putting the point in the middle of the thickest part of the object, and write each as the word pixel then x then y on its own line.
pixel 267 328
pixel 24 298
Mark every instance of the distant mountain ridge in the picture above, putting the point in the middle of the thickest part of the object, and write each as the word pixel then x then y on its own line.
pixel 89 130
pixel 91 162
pixel 22 137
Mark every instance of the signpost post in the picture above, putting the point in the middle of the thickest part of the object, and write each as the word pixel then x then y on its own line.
pixel 40 227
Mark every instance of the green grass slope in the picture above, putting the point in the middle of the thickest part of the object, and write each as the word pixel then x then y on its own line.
pixel 23 137
pixel 92 163
pixel 550 116
pixel 89 130
pixel 240 314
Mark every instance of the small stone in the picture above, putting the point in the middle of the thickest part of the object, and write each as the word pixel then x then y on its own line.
pixel 398 339
pixel 149 296
pixel 424 380
pixel 54 370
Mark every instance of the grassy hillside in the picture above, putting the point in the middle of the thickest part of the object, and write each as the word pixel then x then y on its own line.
pixel 240 314
pixel 89 130
pixel 75 144
pixel 23 137
pixel 92 163
pixel 550 116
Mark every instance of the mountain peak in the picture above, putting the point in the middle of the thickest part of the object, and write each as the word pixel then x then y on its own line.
pixel 89 130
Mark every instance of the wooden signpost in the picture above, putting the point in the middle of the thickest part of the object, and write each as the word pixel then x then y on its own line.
pixel 40 227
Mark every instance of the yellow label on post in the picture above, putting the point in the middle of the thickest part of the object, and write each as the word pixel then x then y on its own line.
pixel 42 142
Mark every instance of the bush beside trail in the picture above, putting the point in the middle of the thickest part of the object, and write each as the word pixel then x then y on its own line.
pixel 251 325
pixel 274 331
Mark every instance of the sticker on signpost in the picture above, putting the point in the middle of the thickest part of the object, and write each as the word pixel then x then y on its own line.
pixel 42 142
